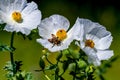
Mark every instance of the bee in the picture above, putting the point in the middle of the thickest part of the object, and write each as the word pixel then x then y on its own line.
pixel 54 40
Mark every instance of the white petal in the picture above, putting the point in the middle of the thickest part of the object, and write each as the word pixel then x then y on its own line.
pixel 12 28
pixel 19 4
pixel 1 22
pixel 94 28
pixel 4 4
pixel 100 32
pixel 32 20
pixel 30 8
pixel 12 5
pixel 105 55
pixel 94 61
pixel 90 52
pixel 92 56
pixel 50 46
pixel 9 28
pixel 76 31
pixel 44 42
pixel 88 25
pixel 104 43
pixel 52 24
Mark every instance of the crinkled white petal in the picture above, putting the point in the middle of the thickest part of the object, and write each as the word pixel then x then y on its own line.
pixel 23 30
pixel 104 43
pixel 100 32
pixel 52 24
pixel 50 46
pixel 29 8
pixel 94 61
pixel 19 5
pixel 93 28
pixel 1 22
pixel 32 20
pixel 90 52
pixel 4 5
pixel 11 5
pixel 105 54
pixel 88 25
pixel 92 56
pixel 77 31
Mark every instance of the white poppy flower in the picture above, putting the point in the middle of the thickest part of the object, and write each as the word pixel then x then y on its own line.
pixel 19 15
pixel 95 42
pixel 55 34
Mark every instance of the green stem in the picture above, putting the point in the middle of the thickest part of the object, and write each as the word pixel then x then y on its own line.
pixel 11 53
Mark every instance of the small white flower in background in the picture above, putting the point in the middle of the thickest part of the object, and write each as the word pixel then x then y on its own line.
pixel 19 15
pixel 95 42
pixel 55 34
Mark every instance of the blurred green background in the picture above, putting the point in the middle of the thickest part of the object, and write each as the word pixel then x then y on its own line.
pixel 105 13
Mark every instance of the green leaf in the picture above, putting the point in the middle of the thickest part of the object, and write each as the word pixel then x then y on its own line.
pixel 59 56
pixel 51 67
pixel 65 65
pixel 42 63
pixel 56 73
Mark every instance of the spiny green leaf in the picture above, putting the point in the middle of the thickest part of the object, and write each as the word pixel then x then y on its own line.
pixel 28 76
pixel 5 48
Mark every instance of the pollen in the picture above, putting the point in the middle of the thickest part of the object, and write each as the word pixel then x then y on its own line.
pixel 17 16
pixel 89 43
pixel 61 34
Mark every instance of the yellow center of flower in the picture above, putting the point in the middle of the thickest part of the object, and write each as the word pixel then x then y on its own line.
pixel 61 34
pixel 17 16
pixel 89 43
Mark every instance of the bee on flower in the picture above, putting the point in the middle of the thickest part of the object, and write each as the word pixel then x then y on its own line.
pixel 19 15
pixel 55 34
pixel 95 41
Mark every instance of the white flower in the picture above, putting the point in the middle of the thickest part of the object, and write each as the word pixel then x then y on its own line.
pixel 19 15
pixel 55 34
pixel 95 41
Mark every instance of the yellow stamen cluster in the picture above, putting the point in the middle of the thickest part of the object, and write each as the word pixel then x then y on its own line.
pixel 61 34
pixel 89 43
pixel 17 17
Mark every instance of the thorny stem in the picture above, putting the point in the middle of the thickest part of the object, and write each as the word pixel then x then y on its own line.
pixel 11 53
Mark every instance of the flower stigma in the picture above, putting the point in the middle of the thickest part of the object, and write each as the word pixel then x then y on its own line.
pixel 61 34
pixel 16 16
pixel 89 43
pixel 56 39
